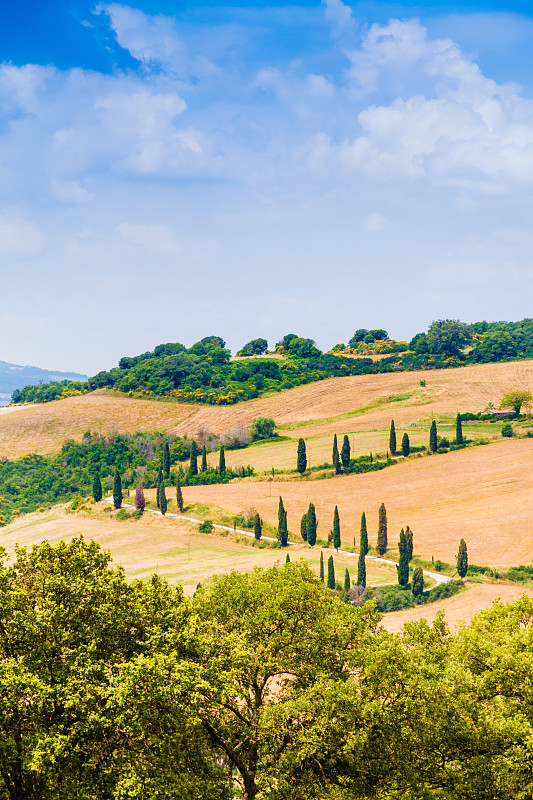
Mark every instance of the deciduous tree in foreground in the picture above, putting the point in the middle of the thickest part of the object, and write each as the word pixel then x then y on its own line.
pixel 263 684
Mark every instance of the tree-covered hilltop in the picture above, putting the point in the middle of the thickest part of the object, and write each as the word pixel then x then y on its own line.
pixel 261 685
pixel 205 372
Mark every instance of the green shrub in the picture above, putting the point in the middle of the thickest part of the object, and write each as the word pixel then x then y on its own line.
pixel 123 514
pixel 520 574
pixel 507 430
pixel 206 526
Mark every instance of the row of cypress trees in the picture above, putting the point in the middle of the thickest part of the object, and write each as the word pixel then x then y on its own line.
pixel 433 437
pixel 193 460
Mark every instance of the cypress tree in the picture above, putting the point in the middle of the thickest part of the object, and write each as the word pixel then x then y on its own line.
pixel 159 476
pixel 282 524
pixel 331 573
pixel 347 581
pixel 163 500
pixel 204 459
pixel 459 430
pixel 303 527
pixel 311 525
pixel 335 455
pixel 158 495
pixel 418 582
pixel 117 490
pixel 301 462
pixel 406 445
pixel 363 542
pixel 222 461
pixel 179 496
pixel 382 530
pixel 322 566
pixel 166 460
pixel 409 542
pixel 345 453
pixel 287 559
pixel 433 443
pixel 361 571
pixel 97 488
pixel 336 529
pixel 392 439
pixel 462 559
pixel 403 566
pixel 193 466
pixel 139 498
pixel 258 527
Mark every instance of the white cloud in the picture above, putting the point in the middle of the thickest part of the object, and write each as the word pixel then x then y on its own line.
pixel 340 17
pixel 70 191
pixel 464 128
pixel 157 239
pixel 19 238
pixel 374 223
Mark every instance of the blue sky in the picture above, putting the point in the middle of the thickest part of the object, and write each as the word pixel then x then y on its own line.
pixel 170 170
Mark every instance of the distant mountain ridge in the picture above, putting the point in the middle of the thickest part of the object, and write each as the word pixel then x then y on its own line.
pixel 14 376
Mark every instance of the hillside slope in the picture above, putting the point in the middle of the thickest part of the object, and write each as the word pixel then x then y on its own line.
pixel 370 399
pixel 43 428
pixel 366 401
pixel 482 494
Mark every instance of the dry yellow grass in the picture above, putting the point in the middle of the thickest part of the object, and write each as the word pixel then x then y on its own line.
pixel 326 402
pixel 360 404
pixel 44 428
pixel 460 608
pixel 171 548
pixel 481 494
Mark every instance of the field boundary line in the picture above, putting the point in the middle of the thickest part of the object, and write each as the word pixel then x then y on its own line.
pixel 437 577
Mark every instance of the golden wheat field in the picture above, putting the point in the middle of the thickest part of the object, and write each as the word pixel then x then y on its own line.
pixel 482 494
pixel 45 427
pixel 369 400
pixel 171 548
pixel 361 406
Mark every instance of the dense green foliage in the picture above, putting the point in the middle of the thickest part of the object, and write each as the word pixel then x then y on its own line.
pixel 392 438
pixel 312 523
pixel 283 533
pixel 418 582
pixel 433 441
pixel 128 691
pixel 301 458
pixel 34 481
pixel 303 527
pixel 256 347
pixel 117 490
pixel 363 540
pixel 204 373
pixel 403 564
pixel 336 529
pixel 258 527
pixel 462 559
pixel 331 573
pixel 335 456
pixel 382 529
pixel 345 453
pixel 459 430
pixel 406 445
